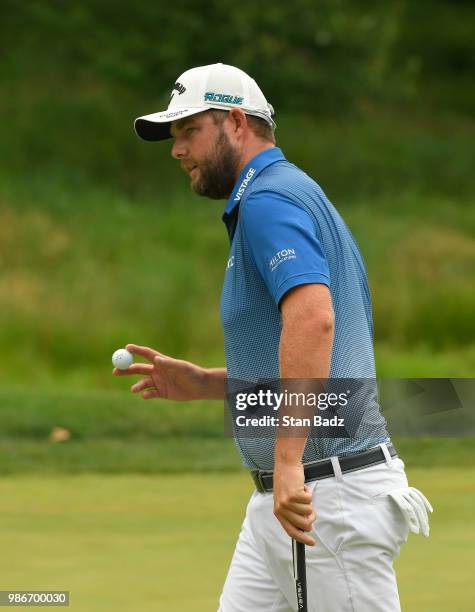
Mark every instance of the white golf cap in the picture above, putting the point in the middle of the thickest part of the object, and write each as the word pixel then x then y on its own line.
pixel 199 89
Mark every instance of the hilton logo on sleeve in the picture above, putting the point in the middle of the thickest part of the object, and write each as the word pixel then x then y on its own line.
pixel 280 257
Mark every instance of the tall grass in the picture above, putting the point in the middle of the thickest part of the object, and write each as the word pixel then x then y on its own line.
pixel 88 264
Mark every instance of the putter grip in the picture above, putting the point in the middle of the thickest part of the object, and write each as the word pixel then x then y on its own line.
pixel 300 575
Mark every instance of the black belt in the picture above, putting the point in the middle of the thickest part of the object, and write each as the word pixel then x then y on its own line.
pixel 264 480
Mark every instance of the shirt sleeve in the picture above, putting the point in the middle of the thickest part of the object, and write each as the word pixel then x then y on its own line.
pixel 283 242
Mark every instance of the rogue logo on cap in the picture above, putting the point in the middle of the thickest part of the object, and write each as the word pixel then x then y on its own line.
pixel 210 96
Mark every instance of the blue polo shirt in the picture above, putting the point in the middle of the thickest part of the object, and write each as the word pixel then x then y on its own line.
pixel 284 232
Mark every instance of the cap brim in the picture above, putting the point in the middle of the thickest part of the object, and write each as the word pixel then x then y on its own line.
pixel 157 125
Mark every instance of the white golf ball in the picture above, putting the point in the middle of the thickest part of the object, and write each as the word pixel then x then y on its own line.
pixel 122 359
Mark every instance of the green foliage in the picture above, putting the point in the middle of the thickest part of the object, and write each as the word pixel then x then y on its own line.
pixel 101 241
pixel 86 268
pixel 78 74
pixel 336 52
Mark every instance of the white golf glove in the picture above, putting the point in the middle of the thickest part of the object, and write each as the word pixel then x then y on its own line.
pixel 414 505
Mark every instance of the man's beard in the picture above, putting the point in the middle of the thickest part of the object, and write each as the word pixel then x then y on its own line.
pixel 219 172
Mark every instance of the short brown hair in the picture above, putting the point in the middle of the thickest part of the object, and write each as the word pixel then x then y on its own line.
pixel 259 126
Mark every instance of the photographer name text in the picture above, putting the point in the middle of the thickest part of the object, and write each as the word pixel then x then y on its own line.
pixel 289 421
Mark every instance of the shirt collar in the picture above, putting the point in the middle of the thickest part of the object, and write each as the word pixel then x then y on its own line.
pixel 248 174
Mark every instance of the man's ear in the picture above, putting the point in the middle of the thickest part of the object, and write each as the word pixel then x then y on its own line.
pixel 237 119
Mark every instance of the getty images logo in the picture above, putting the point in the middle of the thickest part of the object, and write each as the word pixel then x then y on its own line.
pixel 244 184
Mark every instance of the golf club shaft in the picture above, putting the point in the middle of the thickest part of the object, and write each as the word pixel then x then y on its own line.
pixel 300 574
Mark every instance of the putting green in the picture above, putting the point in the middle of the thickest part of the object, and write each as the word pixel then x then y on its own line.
pixel 128 543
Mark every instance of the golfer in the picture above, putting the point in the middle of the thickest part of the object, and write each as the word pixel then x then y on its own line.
pixel 295 305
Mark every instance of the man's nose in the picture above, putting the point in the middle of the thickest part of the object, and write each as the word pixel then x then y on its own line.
pixel 178 150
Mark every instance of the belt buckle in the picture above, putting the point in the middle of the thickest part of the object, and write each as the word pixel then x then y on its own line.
pixel 256 477
pixel 258 481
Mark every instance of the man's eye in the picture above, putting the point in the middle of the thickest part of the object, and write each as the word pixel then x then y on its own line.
pixel 190 130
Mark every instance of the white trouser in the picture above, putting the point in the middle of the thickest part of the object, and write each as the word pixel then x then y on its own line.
pixel 358 533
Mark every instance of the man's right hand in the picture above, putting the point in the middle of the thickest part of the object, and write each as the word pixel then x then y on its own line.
pixel 173 379
pixel 293 502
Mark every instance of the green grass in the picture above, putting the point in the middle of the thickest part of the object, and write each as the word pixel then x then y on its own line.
pixel 185 454
pixel 109 456
pixel 115 432
pixel 88 265
pixel 422 361
pixel 165 542
pixel 122 543
pixel 435 574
